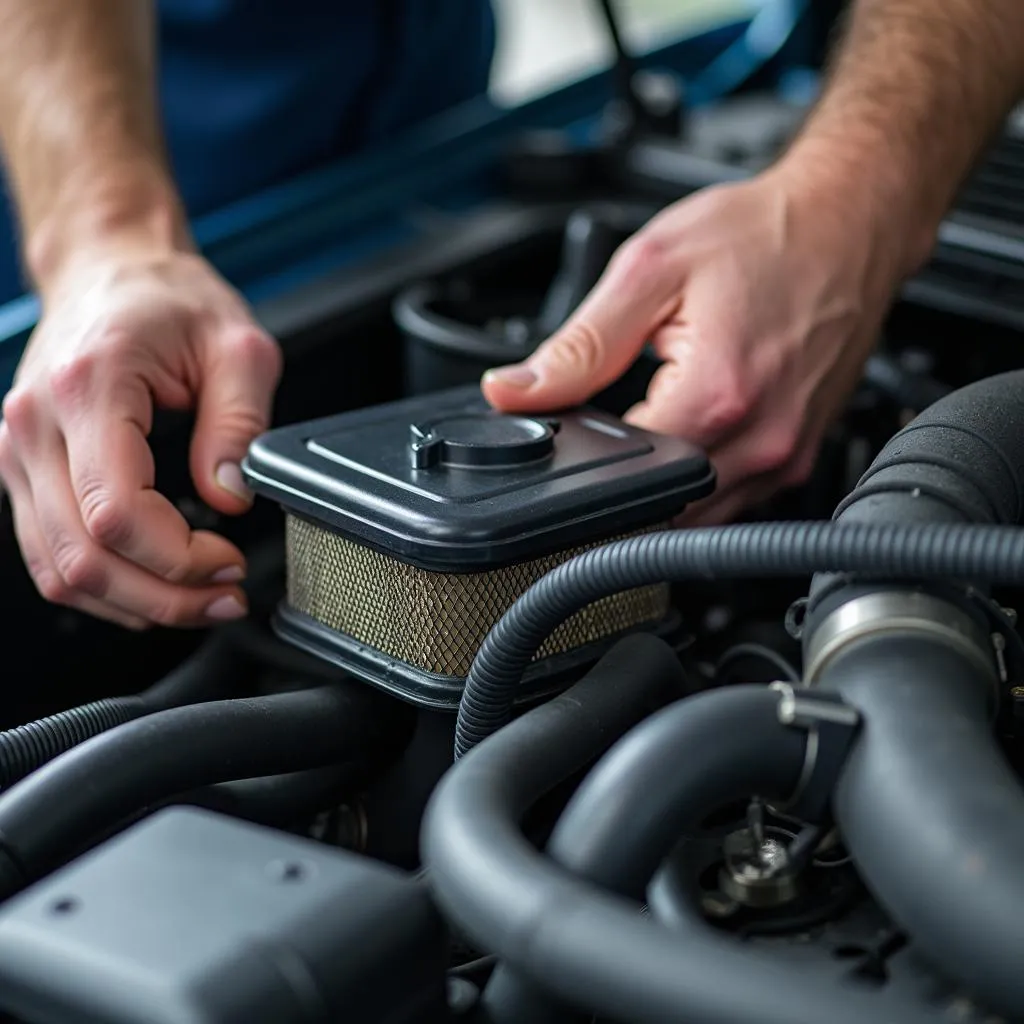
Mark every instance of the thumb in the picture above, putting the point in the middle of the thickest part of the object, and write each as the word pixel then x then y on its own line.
pixel 598 343
pixel 239 374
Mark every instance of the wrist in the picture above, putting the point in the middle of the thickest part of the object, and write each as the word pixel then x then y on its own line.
pixel 870 190
pixel 119 213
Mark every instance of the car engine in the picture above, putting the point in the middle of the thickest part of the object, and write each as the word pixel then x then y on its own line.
pixel 501 743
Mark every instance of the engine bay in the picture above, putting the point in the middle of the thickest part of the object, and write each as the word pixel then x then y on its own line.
pixel 496 742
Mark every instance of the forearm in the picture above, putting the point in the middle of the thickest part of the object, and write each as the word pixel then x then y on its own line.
pixel 80 129
pixel 916 90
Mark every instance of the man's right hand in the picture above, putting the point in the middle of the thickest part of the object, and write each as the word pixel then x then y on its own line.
pixel 121 334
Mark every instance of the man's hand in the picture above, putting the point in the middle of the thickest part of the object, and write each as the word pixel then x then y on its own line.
pixel 764 298
pixel 763 305
pixel 122 333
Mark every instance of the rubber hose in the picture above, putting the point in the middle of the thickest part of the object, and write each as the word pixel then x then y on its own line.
pixel 587 946
pixel 282 800
pixel 205 675
pixel 925 772
pixel 279 800
pixel 931 811
pixel 995 553
pixel 90 789
pixel 633 806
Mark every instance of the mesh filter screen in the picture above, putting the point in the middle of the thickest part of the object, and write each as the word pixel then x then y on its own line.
pixel 436 621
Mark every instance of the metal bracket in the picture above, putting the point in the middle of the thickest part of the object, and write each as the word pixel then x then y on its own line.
pixel 831 726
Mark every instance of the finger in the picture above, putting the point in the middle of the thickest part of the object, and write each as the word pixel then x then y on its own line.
pixel 703 404
pixel 745 490
pixel 40 565
pixel 706 389
pixel 95 572
pixel 240 372
pixel 640 289
pixel 112 476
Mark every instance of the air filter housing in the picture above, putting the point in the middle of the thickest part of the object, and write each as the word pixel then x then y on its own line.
pixel 411 527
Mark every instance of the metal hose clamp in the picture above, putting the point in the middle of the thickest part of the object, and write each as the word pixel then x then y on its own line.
pixel 897 612
pixel 831 726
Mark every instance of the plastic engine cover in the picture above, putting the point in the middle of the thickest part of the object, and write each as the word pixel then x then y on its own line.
pixel 194 918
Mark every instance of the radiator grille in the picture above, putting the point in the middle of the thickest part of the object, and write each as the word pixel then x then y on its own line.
pixel 436 621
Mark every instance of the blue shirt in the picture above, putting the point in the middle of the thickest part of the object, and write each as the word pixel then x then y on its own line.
pixel 255 91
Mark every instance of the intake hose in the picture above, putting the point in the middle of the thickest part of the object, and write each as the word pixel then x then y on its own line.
pixel 631 809
pixel 208 673
pixel 928 807
pixel 584 945
pixel 90 789
pixel 914 551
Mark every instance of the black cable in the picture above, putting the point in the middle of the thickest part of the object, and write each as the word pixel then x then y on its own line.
pixel 893 550
pixel 753 650
pixel 91 788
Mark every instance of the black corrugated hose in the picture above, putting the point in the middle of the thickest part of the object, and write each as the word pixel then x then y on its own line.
pixel 204 675
pixel 893 550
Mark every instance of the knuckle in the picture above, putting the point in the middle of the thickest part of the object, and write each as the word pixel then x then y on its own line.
pixel 728 403
pixel 579 350
pixel 776 450
pixel 240 422
pixel 49 584
pixel 71 381
pixel 107 520
pixel 255 348
pixel 109 340
pixel 20 410
pixel 81 569
pixel 639 258
pixel 168 611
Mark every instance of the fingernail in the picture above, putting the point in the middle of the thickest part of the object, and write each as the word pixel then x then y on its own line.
pixel 225 608
pixel 229 574
pixel 229 476
pixel 515 376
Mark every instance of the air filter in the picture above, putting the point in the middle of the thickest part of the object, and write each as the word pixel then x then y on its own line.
pixel 411 527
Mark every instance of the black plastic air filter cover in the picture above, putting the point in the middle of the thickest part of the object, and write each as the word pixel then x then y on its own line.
pixel 444 483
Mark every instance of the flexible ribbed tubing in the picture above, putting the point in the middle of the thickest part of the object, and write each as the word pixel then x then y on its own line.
pixel 205 675
pixel 918 551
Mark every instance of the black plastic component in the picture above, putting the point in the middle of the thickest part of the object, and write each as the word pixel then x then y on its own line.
pixel 592 235
pixel 481 441
pixel 354 474
pixel 194 918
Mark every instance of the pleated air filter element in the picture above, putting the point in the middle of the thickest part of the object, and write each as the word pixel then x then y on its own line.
pixel 412 527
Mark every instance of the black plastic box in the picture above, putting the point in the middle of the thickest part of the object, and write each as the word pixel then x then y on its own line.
pixel 194 918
